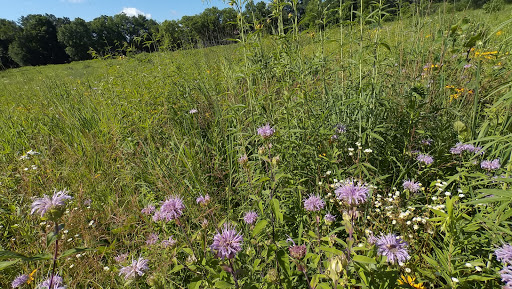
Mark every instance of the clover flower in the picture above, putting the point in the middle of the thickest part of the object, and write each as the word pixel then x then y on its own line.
pixel 393 247
pixel 424 158
pixel 266 131
pixel 20 281
pixel 352 192
pixel 46 203
pixel 411 186
pixel 56 283
pixel 250 217
pixel 192 111
pixel 136 268
pixel 227 243
pixel 490 165
pixel 504 254
pixel 171 209
pixel 314 203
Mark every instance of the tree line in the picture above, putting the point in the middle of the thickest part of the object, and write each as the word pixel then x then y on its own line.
pixel 46 39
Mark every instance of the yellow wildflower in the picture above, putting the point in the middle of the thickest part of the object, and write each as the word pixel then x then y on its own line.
pixel 499 33
pixel 410 281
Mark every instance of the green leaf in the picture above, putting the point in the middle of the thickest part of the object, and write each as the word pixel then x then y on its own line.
pixel 223 284
pixel 364 259
pixel 177 268
pixel 259 226
pixel 11 255
pixel 277 210
pixel 331 250
pixel 6 264
pixel 284 262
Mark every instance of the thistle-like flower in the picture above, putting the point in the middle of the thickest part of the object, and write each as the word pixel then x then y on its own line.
pixel 411 186
pixel 490 165
pixel 203 200
pixel 56 283
pixel 506 276
pixel 136 268
pixel 424 158
pixel 250 217
pixel 20 281
pixel 152 239
pixel 47 204
pixel 169 242
pixel 504 254
pixel 393 247
pixel 297 251
pixel 314 203
pixel 227 243
pixel 266 131
pixel 148 210
pixel 171 209
pixel 329 219
pixel 352 192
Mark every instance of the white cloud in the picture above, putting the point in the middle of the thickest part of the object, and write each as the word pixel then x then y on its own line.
pixel 131 11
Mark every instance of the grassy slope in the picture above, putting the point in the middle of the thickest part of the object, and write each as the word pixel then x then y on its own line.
pixel 118 131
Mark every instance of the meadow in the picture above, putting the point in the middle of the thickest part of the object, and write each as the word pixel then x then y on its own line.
pixel 373 154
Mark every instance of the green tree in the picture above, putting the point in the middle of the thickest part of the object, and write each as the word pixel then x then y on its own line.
pixel 77 37
pixel 37 44
pixel 8 32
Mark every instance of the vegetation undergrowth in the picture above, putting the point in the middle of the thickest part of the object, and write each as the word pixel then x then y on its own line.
pixel 372 154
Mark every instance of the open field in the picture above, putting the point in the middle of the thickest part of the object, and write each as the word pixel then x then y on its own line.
pixel 376 130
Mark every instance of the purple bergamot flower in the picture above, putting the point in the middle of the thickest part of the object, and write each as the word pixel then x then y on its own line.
pixel 490 165
pixel 297 251
pixel 504 254
pixel 352 192
pixel 250 217
pixel 329 219
pixel 506 276
pixel 136 268
pixel 121 258
pixel 169 242
pixel 424 158
pixel 227 243
pixel 266 131
pixel 171 209
pixel 45 204
pixel 411 186
pixel 203 200
pixel 393 247
pixel 56 283
pixel 148 210
pixel 152 239
pixel 314 203
pixel 20 281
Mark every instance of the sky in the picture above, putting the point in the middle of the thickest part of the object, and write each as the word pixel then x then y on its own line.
pixel 159 10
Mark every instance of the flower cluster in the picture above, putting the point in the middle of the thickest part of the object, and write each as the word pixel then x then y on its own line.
pixel 20 281
pixel 136 268
pixel 314 203
pixel 46 203
pixel 393 247
pixel 227 242
pixel 504 254
pixel 266 131
pixel 56 283
pixel 171 209
pixel 352 192
pixel 459 148
pixel 411 186
pixel 424 158
pixel 490 165
pixel 203 200
pixel 250 217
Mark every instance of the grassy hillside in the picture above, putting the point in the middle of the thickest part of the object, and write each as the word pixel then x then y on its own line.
pixel 356 105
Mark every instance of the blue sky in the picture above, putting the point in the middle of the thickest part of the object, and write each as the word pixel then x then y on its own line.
pixel 158 10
